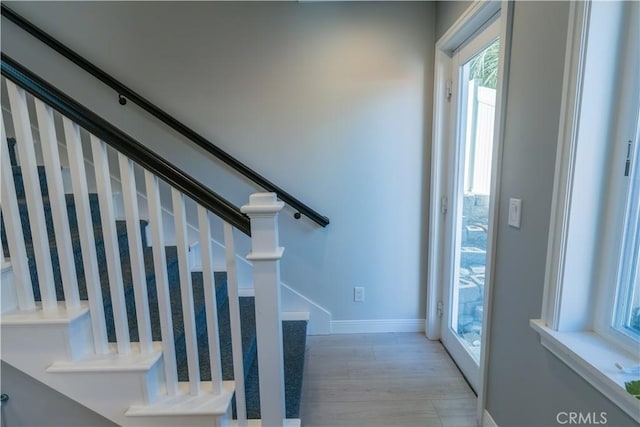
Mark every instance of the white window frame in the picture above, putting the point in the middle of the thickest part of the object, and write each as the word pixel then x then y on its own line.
pixel 577 306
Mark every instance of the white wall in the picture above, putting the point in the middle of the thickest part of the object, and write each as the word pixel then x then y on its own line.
pixel 32 403
pixel 331 101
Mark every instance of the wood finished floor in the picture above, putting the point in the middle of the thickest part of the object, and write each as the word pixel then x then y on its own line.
pixel 383 380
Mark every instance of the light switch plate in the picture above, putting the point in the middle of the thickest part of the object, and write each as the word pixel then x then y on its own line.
pixel 515 212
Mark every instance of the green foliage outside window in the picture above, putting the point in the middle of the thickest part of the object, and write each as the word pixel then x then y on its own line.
pixel 484 66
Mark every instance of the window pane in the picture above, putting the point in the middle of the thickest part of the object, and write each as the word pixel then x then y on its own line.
pixel 633 320
pixel 629 277
pixel 479 82
pixel 627 317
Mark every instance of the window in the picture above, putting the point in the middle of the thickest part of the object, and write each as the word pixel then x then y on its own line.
pixel 591 315
pixel 625 318
pixel 618 315
pixel 627 311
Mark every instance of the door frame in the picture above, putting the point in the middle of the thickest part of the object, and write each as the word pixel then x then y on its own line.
pixel 444 128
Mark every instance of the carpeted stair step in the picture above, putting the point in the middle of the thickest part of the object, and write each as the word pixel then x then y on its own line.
pixel 294 338
pixel 200 319
pixel 173 276
pixel 248 331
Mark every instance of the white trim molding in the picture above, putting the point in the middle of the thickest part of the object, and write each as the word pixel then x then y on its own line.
pixel 376 326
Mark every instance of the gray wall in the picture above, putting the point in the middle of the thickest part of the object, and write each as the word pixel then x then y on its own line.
pixel 527 385
pixel 447 12
pixel 33 404
pixel 331 101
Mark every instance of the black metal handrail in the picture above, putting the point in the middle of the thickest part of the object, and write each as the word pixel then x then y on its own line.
pixel 123 143
pixel 125 93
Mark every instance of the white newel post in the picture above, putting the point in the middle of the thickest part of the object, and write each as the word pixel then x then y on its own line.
pixel 265 255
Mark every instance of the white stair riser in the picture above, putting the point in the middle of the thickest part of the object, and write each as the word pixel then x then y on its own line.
pixel 33 347
pixel 182 421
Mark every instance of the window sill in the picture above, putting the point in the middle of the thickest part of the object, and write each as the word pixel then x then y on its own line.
pixel 594 359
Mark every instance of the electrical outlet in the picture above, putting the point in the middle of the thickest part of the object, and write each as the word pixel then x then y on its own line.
pixel 358 294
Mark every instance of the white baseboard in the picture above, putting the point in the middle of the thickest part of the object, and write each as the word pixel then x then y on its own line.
pixel 487 421
pixel 374 326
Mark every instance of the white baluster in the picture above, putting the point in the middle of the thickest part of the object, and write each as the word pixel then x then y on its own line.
pixel 13 229
pixel 87 238
pixel 59 214
pixel 236 330
pixel 132 214
pixel 85 229
pixel 265 255
pixel 162 282
pixel 110 239
pixel 186 291
pixel 35 208
pixel 210 299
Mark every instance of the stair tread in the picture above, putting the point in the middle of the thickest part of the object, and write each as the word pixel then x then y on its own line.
pixel 38 316
pixel 207 403
pixel 113 362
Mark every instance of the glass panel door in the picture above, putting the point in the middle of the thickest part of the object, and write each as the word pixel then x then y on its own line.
pixel 475 79
pixel 479 78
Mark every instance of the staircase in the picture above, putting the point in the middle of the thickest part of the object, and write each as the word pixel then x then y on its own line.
pixel 104 311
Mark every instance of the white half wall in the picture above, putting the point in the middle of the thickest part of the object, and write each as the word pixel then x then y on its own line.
pixel 33 403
